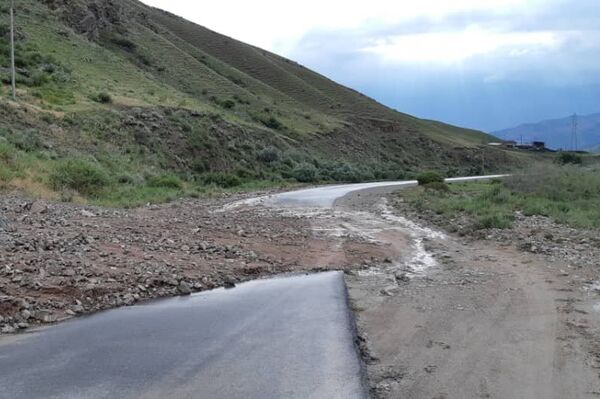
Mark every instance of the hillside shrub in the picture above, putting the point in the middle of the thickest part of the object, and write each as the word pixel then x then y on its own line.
pixel 273 123
pixel 565 158
pixel 39 79
pixel 124 43
pixel 221 179
pixel 102 98
pixel 429 177
pixel 227 104
pixel 86 177
pixel 305 173
pixel 268 155
pixel 347 173
pixel 164 181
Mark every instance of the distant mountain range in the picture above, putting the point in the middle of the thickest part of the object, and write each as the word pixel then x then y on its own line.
pixel 557 132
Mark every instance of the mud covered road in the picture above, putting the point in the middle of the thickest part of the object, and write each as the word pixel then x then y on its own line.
pixel 439 316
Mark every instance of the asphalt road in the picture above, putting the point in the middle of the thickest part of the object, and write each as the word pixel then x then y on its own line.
pixel 281 338
pixel 326 196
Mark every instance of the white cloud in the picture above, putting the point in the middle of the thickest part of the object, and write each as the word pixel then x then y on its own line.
pixel 276 25
pixel 458 46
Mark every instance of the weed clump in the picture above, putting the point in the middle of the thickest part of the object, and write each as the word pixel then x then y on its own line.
pixel 102 98
pixel 565 158
pixel 86 177
pixel 268 155
pixel 165 181
pixel 221 179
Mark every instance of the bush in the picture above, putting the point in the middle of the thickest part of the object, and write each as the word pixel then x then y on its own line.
pixel 228 104
pixel 565 158
pixel 39 79
pixel 269 121
pixel 429 177
pixel 221 179
pixel 87 178
pixel 165 181
pixel 102 98
pixel 305 173
pixel 273 123
pixel 349 174
pixel 268 155
pixel 124 43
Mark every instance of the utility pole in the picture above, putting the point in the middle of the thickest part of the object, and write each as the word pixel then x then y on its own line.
pixel 574 143
pixel 12 49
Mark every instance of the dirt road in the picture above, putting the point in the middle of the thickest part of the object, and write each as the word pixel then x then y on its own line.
pixel 475 320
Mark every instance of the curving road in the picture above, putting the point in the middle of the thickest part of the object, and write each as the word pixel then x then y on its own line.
pixel 326 196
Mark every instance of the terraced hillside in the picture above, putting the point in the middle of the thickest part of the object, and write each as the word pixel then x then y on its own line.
pixel 122 103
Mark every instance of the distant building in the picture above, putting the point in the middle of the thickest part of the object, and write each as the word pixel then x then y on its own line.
pixel 539 145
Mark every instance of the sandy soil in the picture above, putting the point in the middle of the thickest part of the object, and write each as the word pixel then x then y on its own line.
pixel 477 320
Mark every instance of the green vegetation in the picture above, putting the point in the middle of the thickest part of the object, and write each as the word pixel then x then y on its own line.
pixel 429 178
pixel 87 178
pixel 141 106
pixel 305 173
pixel 565 158
pixel 568 194
pixel 102 98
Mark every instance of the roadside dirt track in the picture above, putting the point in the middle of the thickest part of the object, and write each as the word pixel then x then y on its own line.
pixel 482 321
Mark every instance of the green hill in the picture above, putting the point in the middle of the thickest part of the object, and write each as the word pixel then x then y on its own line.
pixel 122 103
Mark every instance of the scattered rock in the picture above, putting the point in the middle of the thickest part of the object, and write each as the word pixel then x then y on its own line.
pixel 402 277
pixel 184 288
pixel 228 284
pixel 87 214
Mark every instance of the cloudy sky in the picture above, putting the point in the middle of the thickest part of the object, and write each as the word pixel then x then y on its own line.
pixel 486 64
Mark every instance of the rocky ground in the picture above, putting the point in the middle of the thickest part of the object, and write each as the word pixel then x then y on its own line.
pixel 62 260
pixel 576 249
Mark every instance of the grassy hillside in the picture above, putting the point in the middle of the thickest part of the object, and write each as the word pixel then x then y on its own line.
pixel 121 103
